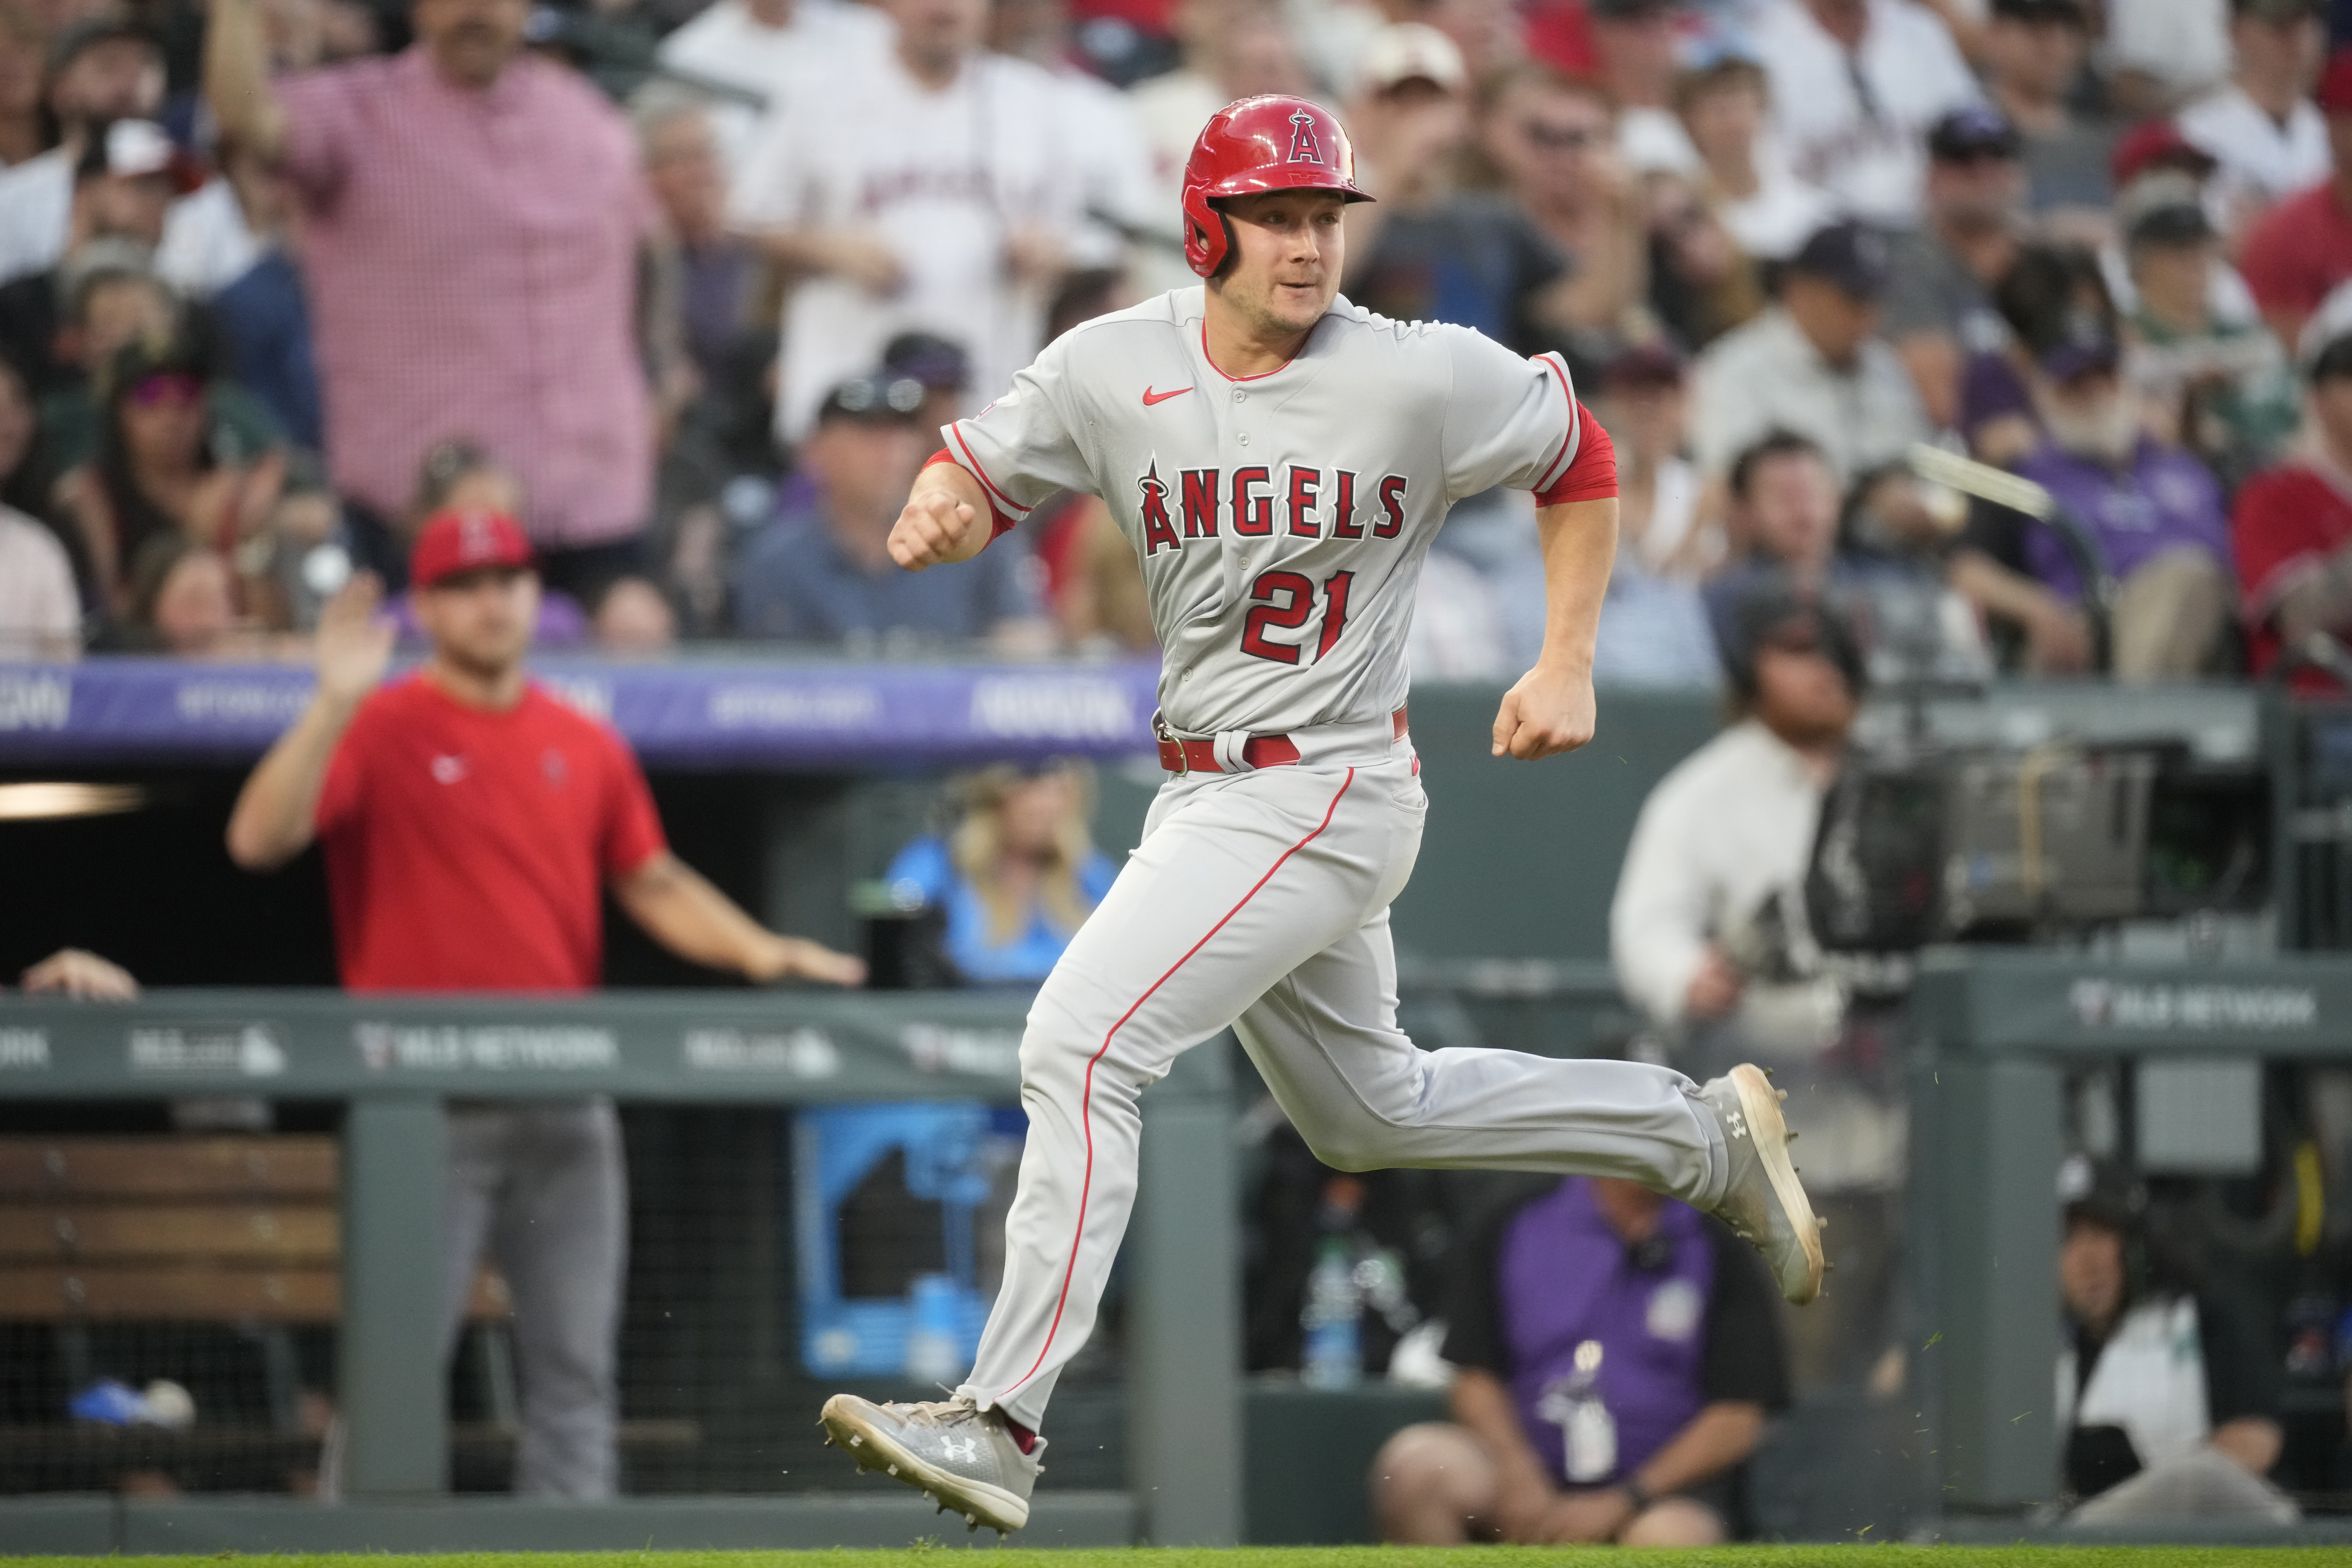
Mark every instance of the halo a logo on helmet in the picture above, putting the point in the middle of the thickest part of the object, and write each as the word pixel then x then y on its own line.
pixel 1304 148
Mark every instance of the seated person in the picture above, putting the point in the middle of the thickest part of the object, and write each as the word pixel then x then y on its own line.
pixel 1653 627
pixel 2167 1400
pixel 2155 511
pixel 1617 1355
pixel 2224 384
pixel 823 576
pixel 2294 531
pixel 1816 364
pixel 1787 510
pixel 164 465
pixel 1015 876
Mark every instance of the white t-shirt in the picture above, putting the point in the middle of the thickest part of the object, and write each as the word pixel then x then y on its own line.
pixel 728 45
pixel 1171 110
pixel 1650 139
pixel 35 206
pixel 208 245
pixel 1281 519
pixel 1868 152
pixel 1774 224
pixel 1116 203
pixel 2150 1381
pixel 2259 156
pixel 943 178
pixel 40 614
pixel 2183 44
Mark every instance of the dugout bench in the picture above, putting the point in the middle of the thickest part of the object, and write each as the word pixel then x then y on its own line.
pixel 392 1063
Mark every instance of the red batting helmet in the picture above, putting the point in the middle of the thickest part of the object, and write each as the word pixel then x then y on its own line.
pixel 1271 143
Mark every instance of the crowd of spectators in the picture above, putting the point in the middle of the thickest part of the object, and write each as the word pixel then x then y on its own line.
pixel 691 287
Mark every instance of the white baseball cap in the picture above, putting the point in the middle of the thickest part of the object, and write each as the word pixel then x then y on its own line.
pixel 1407 51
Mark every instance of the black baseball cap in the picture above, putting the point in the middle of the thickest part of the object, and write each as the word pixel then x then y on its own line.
pixel 2099 1191
pixel 1852 256
pixel 1968 134
pixel 940 363
pixel 1774 612
pixel 92 31
pixel 879 398
pixel 2083 343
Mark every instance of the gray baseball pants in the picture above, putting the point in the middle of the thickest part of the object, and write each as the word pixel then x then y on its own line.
pixel 543 1188
pixel 1260 899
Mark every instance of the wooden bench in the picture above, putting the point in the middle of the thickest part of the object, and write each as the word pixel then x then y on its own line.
pixel 182 1229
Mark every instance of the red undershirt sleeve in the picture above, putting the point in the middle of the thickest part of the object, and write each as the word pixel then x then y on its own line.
pixel 1000 521
pixel 1591 474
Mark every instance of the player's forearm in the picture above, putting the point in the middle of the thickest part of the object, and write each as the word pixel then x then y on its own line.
pixel 236 79
pixel 677 907
pixel 1718 1437
pixel 1578 540
pixel 277 813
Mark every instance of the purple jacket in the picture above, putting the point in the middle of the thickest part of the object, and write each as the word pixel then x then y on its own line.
pixel 2165 499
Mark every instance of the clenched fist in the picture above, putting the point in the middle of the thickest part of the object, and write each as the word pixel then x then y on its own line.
pixel 936 528
pixel 1548 712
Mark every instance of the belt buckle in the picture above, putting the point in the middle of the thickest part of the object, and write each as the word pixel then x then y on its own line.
pixel 1169 741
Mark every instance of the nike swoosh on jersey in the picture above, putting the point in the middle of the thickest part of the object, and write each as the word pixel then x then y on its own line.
pixel 1150 398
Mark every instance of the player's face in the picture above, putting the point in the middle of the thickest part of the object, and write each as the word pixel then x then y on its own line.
pixel 1288 249
pixel 481 621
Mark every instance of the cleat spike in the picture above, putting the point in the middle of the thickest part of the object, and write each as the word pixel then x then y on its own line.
pixel 1767 1071
pixel 894 1469
pixel 857 1441
pixel 971 1521
pixel 1781 1092
pixel 1820 1223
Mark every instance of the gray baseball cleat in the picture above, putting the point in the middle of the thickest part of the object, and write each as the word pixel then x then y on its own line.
pixel 1764 1202
pixel 955 1454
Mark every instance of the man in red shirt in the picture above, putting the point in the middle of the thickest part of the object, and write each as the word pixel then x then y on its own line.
pixel 2293 531
pixel 470 823
pixel 2302 248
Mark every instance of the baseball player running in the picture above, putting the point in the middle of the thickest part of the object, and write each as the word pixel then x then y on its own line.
pixel 1281 459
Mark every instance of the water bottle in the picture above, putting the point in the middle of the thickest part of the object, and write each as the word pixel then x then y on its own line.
pixel 1334 1319
pixel 1587 1432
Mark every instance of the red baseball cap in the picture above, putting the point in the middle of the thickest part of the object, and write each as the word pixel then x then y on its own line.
pixel 2158 143
pixel 2334 94
pixel 467 541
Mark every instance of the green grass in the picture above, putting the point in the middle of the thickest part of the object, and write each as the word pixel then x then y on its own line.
pixel 1832 1556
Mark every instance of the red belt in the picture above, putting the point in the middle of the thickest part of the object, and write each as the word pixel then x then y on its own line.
pixel 1259 751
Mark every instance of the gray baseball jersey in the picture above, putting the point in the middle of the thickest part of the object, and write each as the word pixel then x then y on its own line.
pixel 1281 519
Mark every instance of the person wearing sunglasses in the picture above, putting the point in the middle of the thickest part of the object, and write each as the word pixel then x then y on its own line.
pixel 162 466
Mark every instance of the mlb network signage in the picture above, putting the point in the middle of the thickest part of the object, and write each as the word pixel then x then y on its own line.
pixel 687 714
pixel 2297 1005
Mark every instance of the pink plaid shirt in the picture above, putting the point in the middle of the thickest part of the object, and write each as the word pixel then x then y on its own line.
pixel 472 261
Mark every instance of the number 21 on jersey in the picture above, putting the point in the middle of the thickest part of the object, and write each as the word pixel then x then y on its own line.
pixel 1284 600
